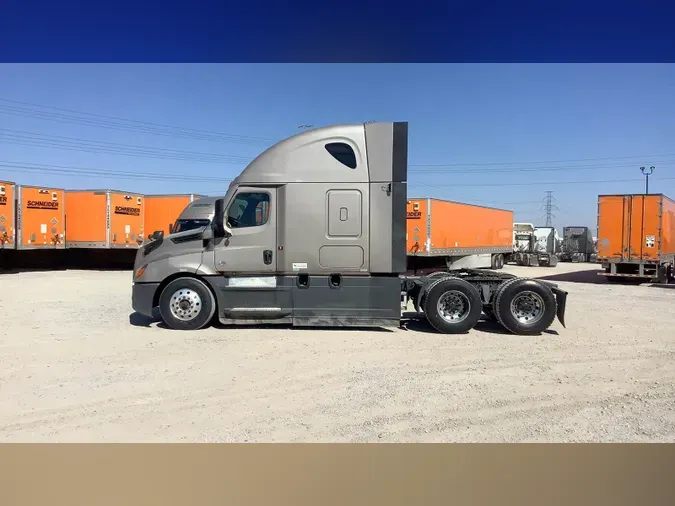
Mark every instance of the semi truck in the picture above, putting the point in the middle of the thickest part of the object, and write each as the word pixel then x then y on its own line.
pixel 545 246
pixel 442 234
pixel 534 246
pixel 523 237
pixel 197 214
pixel 577 245
pixel 161 210
pixel 313 233
pixel 636 237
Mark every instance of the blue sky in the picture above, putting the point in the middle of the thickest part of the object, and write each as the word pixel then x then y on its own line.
pixel 476 131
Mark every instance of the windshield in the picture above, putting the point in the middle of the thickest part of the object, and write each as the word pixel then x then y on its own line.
pixel 575 232
pixel 190 224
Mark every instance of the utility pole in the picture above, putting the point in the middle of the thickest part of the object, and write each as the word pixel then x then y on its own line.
pixel 549 207
pixel 647 172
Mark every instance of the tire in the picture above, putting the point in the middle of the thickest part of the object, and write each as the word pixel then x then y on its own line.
pixel 199 304
pixel 494 262
pixel 452 305
pixel 525 306
pixel 500 261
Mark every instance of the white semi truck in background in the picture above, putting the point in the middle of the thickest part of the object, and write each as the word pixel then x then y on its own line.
pixel 534 246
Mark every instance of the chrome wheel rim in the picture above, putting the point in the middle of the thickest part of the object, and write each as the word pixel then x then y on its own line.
pixel 453 306
pixel 527 307
pixel 185 304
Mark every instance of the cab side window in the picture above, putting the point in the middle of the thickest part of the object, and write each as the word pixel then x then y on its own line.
pixel 249 209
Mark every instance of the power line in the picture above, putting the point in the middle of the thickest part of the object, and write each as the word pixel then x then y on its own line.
pixel 101 172
pixel 35 139
pixel 71 170
pixel 494 170
pixel 117 123
pixel 128 125
pixel 23 138
pixel 455 164
pixel 542 183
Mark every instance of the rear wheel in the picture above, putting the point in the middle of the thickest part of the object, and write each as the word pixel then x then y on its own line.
pixel 186 304
pixel 452 305
pixel 525 306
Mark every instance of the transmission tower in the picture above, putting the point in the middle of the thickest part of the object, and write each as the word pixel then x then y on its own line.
pixel 549 207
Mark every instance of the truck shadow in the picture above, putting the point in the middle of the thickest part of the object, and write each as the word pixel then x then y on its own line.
pixel 17 261
pixel 590 277
pixel 410 321
pixel 139 320
pixel 417 323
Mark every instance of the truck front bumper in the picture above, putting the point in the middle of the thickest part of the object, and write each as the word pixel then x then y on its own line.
pixel 142 297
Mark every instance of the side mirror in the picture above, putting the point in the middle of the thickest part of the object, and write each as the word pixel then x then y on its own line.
pixel 220 229
pixel 157 235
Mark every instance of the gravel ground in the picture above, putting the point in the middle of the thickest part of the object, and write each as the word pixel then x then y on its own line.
pixel 75 366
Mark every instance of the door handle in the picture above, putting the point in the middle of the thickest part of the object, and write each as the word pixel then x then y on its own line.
pixel 267 256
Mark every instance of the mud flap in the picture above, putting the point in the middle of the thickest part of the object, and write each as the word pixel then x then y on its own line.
pixel 561 300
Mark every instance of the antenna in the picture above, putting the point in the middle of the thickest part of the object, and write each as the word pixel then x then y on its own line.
pixel 548 207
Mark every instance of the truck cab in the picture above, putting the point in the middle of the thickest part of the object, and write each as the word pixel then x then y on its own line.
pixel 197 214
pixel 312 232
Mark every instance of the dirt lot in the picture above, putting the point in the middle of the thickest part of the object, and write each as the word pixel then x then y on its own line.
pixel 75 366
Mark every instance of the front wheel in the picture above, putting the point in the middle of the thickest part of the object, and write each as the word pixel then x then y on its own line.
pixel 525 306
pixel 452 306
pixel 186 304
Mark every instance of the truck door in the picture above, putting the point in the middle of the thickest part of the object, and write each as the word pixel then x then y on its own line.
pixel 644 214
pixel 252 248
pixel 613 226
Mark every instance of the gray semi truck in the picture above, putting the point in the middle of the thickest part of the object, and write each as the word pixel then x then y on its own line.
pixel 313 233
pixel 577 245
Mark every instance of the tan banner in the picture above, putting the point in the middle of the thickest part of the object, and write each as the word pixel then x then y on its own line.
pixel 336 474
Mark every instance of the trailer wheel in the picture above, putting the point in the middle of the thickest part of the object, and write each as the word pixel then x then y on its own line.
pixel 500 261
pixel 452 305
pixel 186 304
pixel 525 306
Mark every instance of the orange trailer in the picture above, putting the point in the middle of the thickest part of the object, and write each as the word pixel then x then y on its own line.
pixel 7 215
pixel 465 235
pixel 104 219
pixel 40 217
pixel 162 211
pixel 636 236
